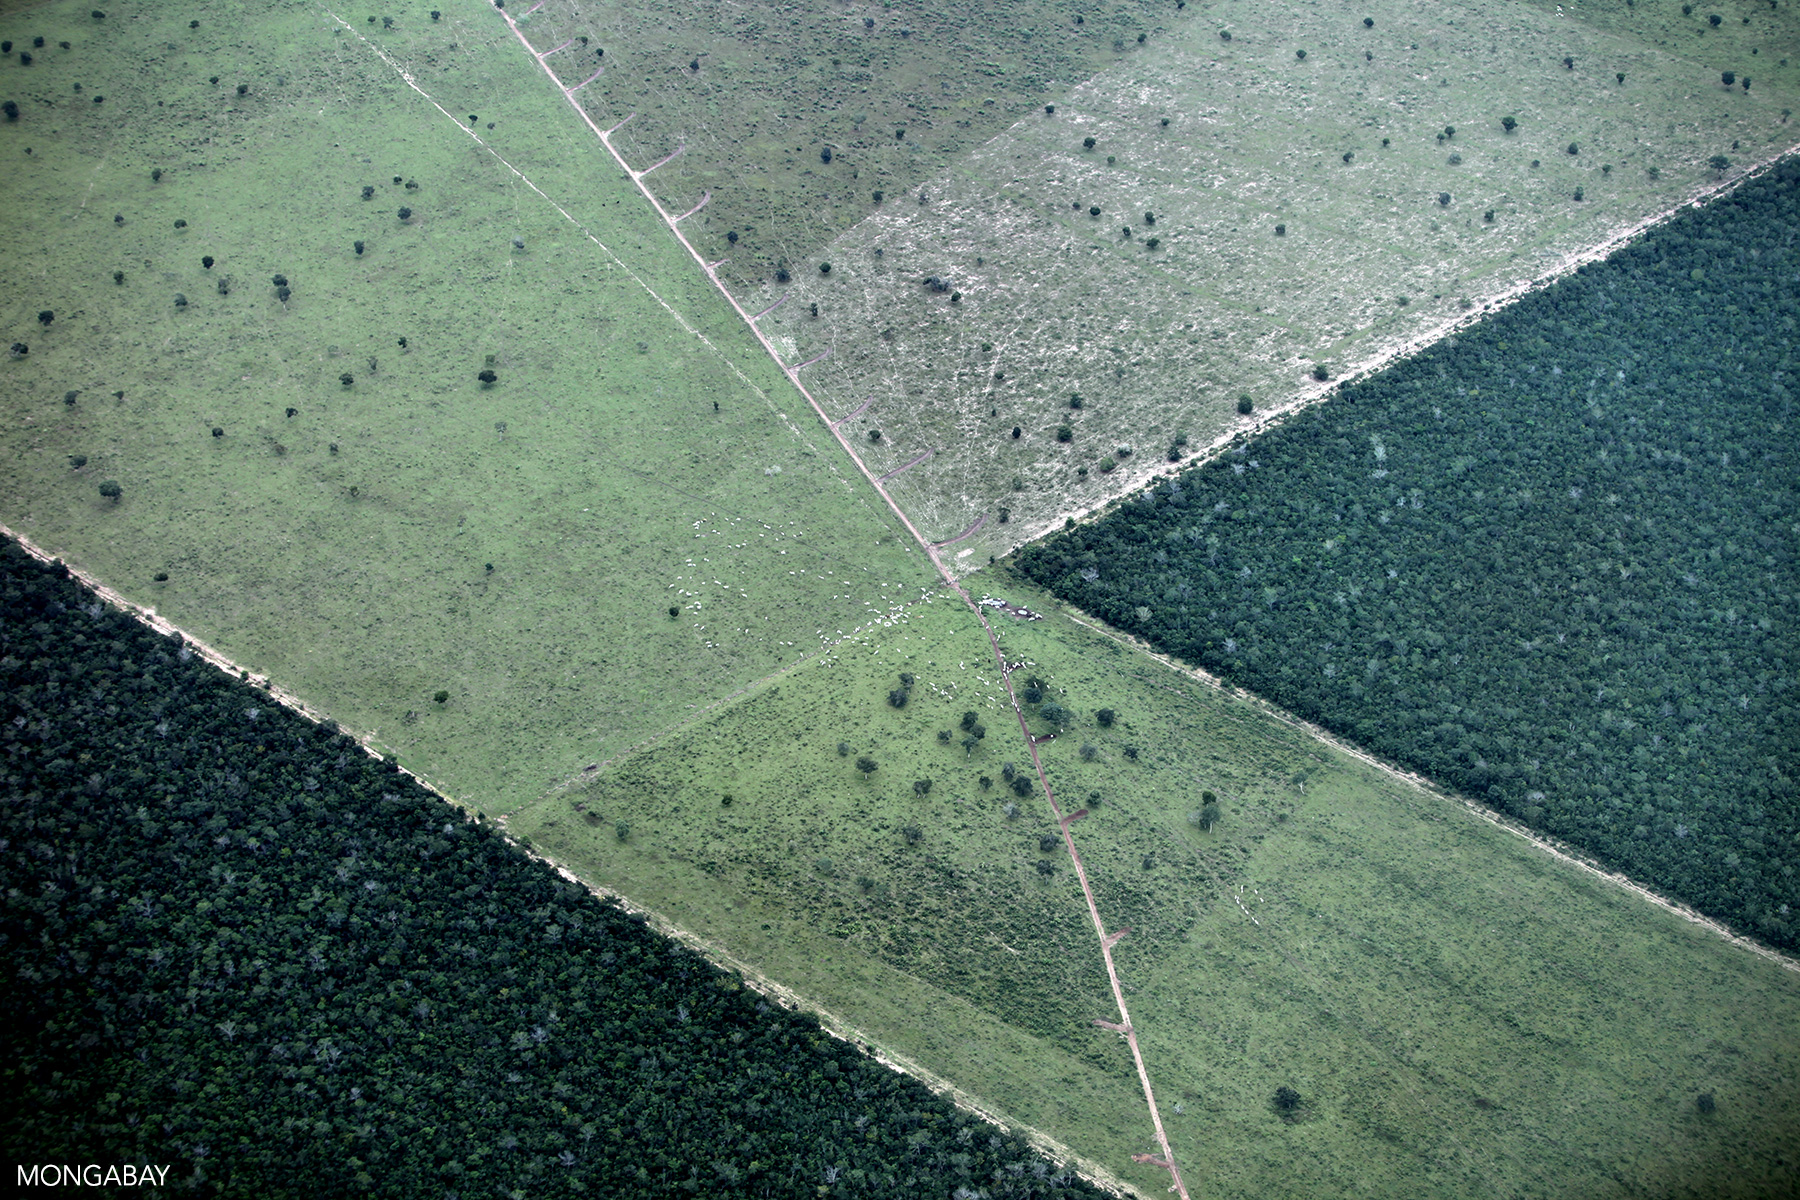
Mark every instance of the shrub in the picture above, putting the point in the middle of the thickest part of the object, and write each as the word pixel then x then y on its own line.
pixel 921 787
pixel 1065 433
pixel 1245 404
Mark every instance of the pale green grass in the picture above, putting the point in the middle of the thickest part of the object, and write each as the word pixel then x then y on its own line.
pixel 595 477
pixel 1463 1015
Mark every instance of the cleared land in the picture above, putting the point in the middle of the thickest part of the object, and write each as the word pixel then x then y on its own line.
pixel 1424 980
pixel 1390 228
pixel 345 549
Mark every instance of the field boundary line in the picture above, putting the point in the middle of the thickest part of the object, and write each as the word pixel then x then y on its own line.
pixel 786 997
pixel 843 1030
pixel 1568 264
pixel 1167 1159
pixel 692 718
pixel 1555 848
pixel 568 94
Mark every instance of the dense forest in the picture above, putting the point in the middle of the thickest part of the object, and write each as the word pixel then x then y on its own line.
pixel 237 945
pixel 1548 561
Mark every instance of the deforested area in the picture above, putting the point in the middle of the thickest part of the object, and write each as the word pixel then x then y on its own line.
pixel 237 944
pixel 1549 562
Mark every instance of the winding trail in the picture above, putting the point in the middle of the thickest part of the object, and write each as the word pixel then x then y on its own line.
pixel 1123 1026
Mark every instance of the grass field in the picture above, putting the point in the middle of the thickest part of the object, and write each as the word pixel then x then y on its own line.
pixel 1463 1015
pixel 344 550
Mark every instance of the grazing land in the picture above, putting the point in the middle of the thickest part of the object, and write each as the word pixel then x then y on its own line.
pixel 1548 561
pixel 1420 977
pixel 372 543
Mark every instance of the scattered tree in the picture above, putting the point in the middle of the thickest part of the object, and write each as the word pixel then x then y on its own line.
pixel 1509 123
pixel 1106 717
pixel 441 697
pixel 111 490
pixel 865 764
pixel 1287 1101
pixel 921 787
pixel 912 833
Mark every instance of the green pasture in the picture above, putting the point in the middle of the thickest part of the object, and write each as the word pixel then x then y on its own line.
pixel 344 550
pixel 1462 1014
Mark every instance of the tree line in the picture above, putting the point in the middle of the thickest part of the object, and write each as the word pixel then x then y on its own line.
pixel 236 943
pixel 1549 561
